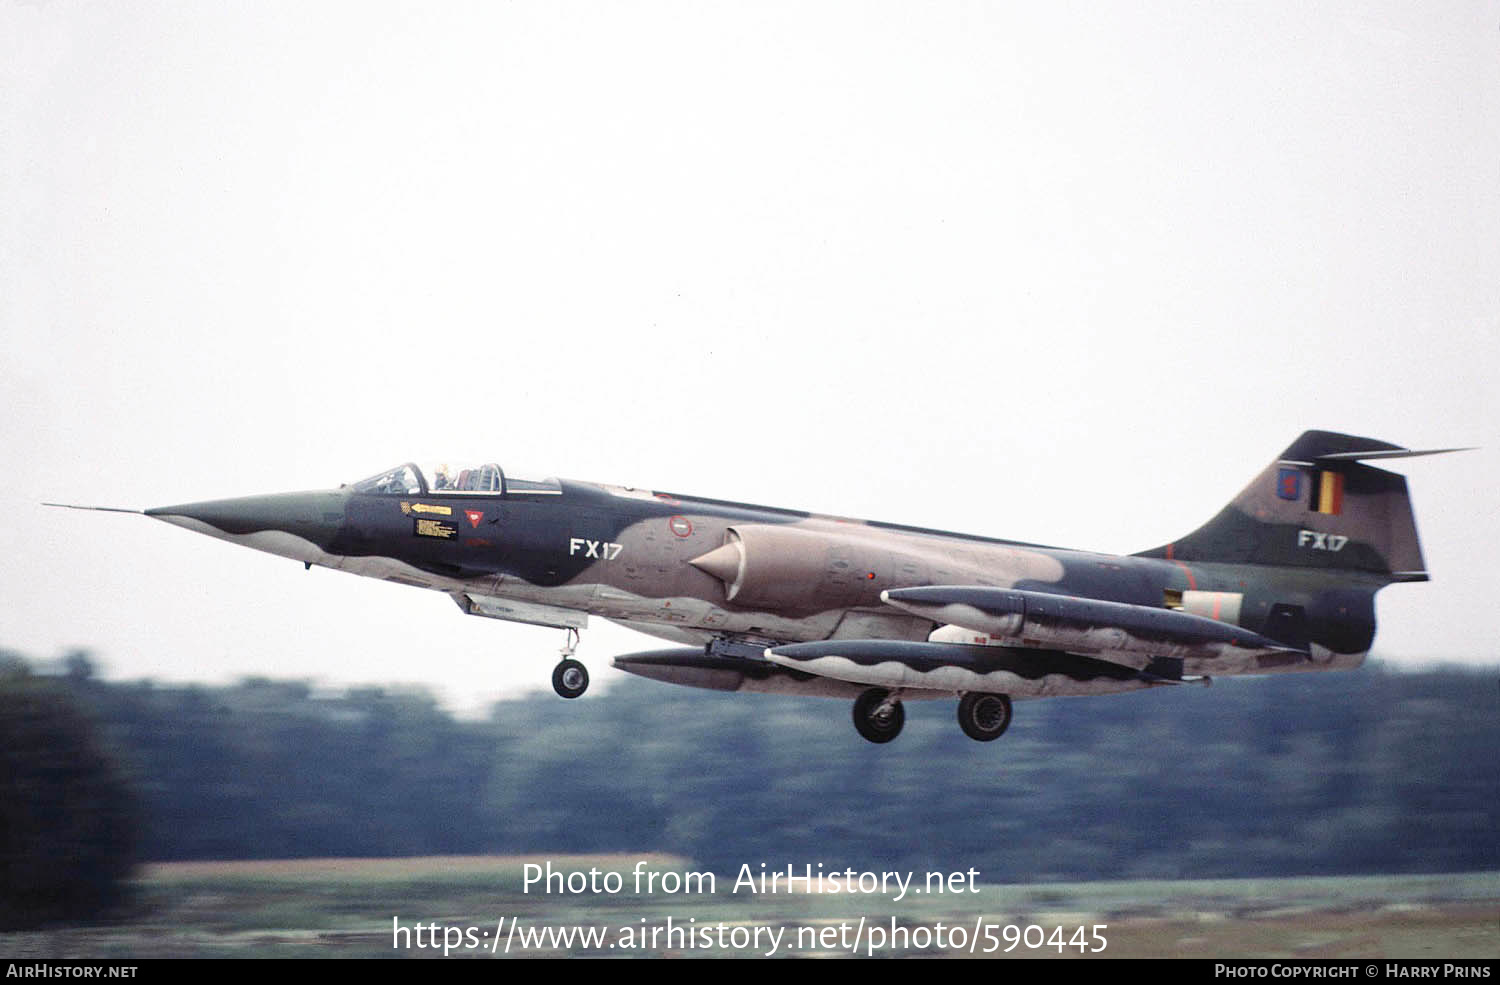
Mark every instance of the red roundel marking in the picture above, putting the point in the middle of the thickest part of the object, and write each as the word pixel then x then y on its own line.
pixel 681 526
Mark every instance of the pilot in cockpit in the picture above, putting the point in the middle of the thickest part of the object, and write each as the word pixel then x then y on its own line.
pixel 441 480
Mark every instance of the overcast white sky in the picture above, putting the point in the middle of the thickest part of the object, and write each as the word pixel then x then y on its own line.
pixel 1070 273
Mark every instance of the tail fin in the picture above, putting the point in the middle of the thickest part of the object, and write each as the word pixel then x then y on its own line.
pixel 1317 506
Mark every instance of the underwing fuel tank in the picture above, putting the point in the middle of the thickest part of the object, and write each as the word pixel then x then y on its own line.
pixel 924 668
pixel 692 667
pixel 1124 633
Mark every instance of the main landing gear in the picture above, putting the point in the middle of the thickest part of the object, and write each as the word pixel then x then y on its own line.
pixel 984 717
pixel 878 715
pixel 570 678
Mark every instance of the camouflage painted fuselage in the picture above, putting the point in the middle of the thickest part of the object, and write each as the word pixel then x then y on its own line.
pixel 1282 579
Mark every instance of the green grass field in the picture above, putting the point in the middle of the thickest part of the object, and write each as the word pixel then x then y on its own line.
pixel 346 908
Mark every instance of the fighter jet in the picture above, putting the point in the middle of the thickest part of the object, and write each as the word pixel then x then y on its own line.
pixel 780 601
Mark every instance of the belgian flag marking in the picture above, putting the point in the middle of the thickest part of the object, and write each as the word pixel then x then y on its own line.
pixel 1330 493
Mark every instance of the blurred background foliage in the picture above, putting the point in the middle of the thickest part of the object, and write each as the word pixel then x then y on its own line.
pixel 1372 771
pixel 68 822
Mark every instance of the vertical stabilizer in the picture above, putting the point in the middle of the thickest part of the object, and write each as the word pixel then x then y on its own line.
pixel 1317 506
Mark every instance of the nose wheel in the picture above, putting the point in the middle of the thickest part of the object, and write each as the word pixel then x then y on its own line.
pixel 570 678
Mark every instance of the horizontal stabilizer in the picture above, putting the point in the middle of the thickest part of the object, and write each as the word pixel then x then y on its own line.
pixel 1360 456
pixel 1116 631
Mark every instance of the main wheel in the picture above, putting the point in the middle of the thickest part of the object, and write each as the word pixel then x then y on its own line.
pixel 984 717
pixel 570 679
pixel 875 719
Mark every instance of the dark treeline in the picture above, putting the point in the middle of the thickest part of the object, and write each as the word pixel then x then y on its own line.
pixel 68 821
pixel 1370 771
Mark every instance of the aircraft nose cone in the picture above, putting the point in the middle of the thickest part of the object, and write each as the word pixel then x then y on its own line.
pixel 316 517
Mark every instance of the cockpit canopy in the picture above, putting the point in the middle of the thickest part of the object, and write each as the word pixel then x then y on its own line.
pixel 444 479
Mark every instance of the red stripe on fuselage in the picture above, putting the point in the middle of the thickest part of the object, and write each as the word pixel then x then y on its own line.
pixel 1192 581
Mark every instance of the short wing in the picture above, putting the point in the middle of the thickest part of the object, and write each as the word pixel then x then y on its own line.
pixel 1118 632
pixel 1034 644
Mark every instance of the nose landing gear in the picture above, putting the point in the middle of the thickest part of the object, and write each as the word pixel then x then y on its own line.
pixel 570 678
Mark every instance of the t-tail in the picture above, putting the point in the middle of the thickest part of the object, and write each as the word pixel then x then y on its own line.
pixel 1318 506
pixel 1330 529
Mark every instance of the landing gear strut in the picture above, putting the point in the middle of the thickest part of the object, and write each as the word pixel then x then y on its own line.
pixel 984 717
pixel 570 678
pixel 878 716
